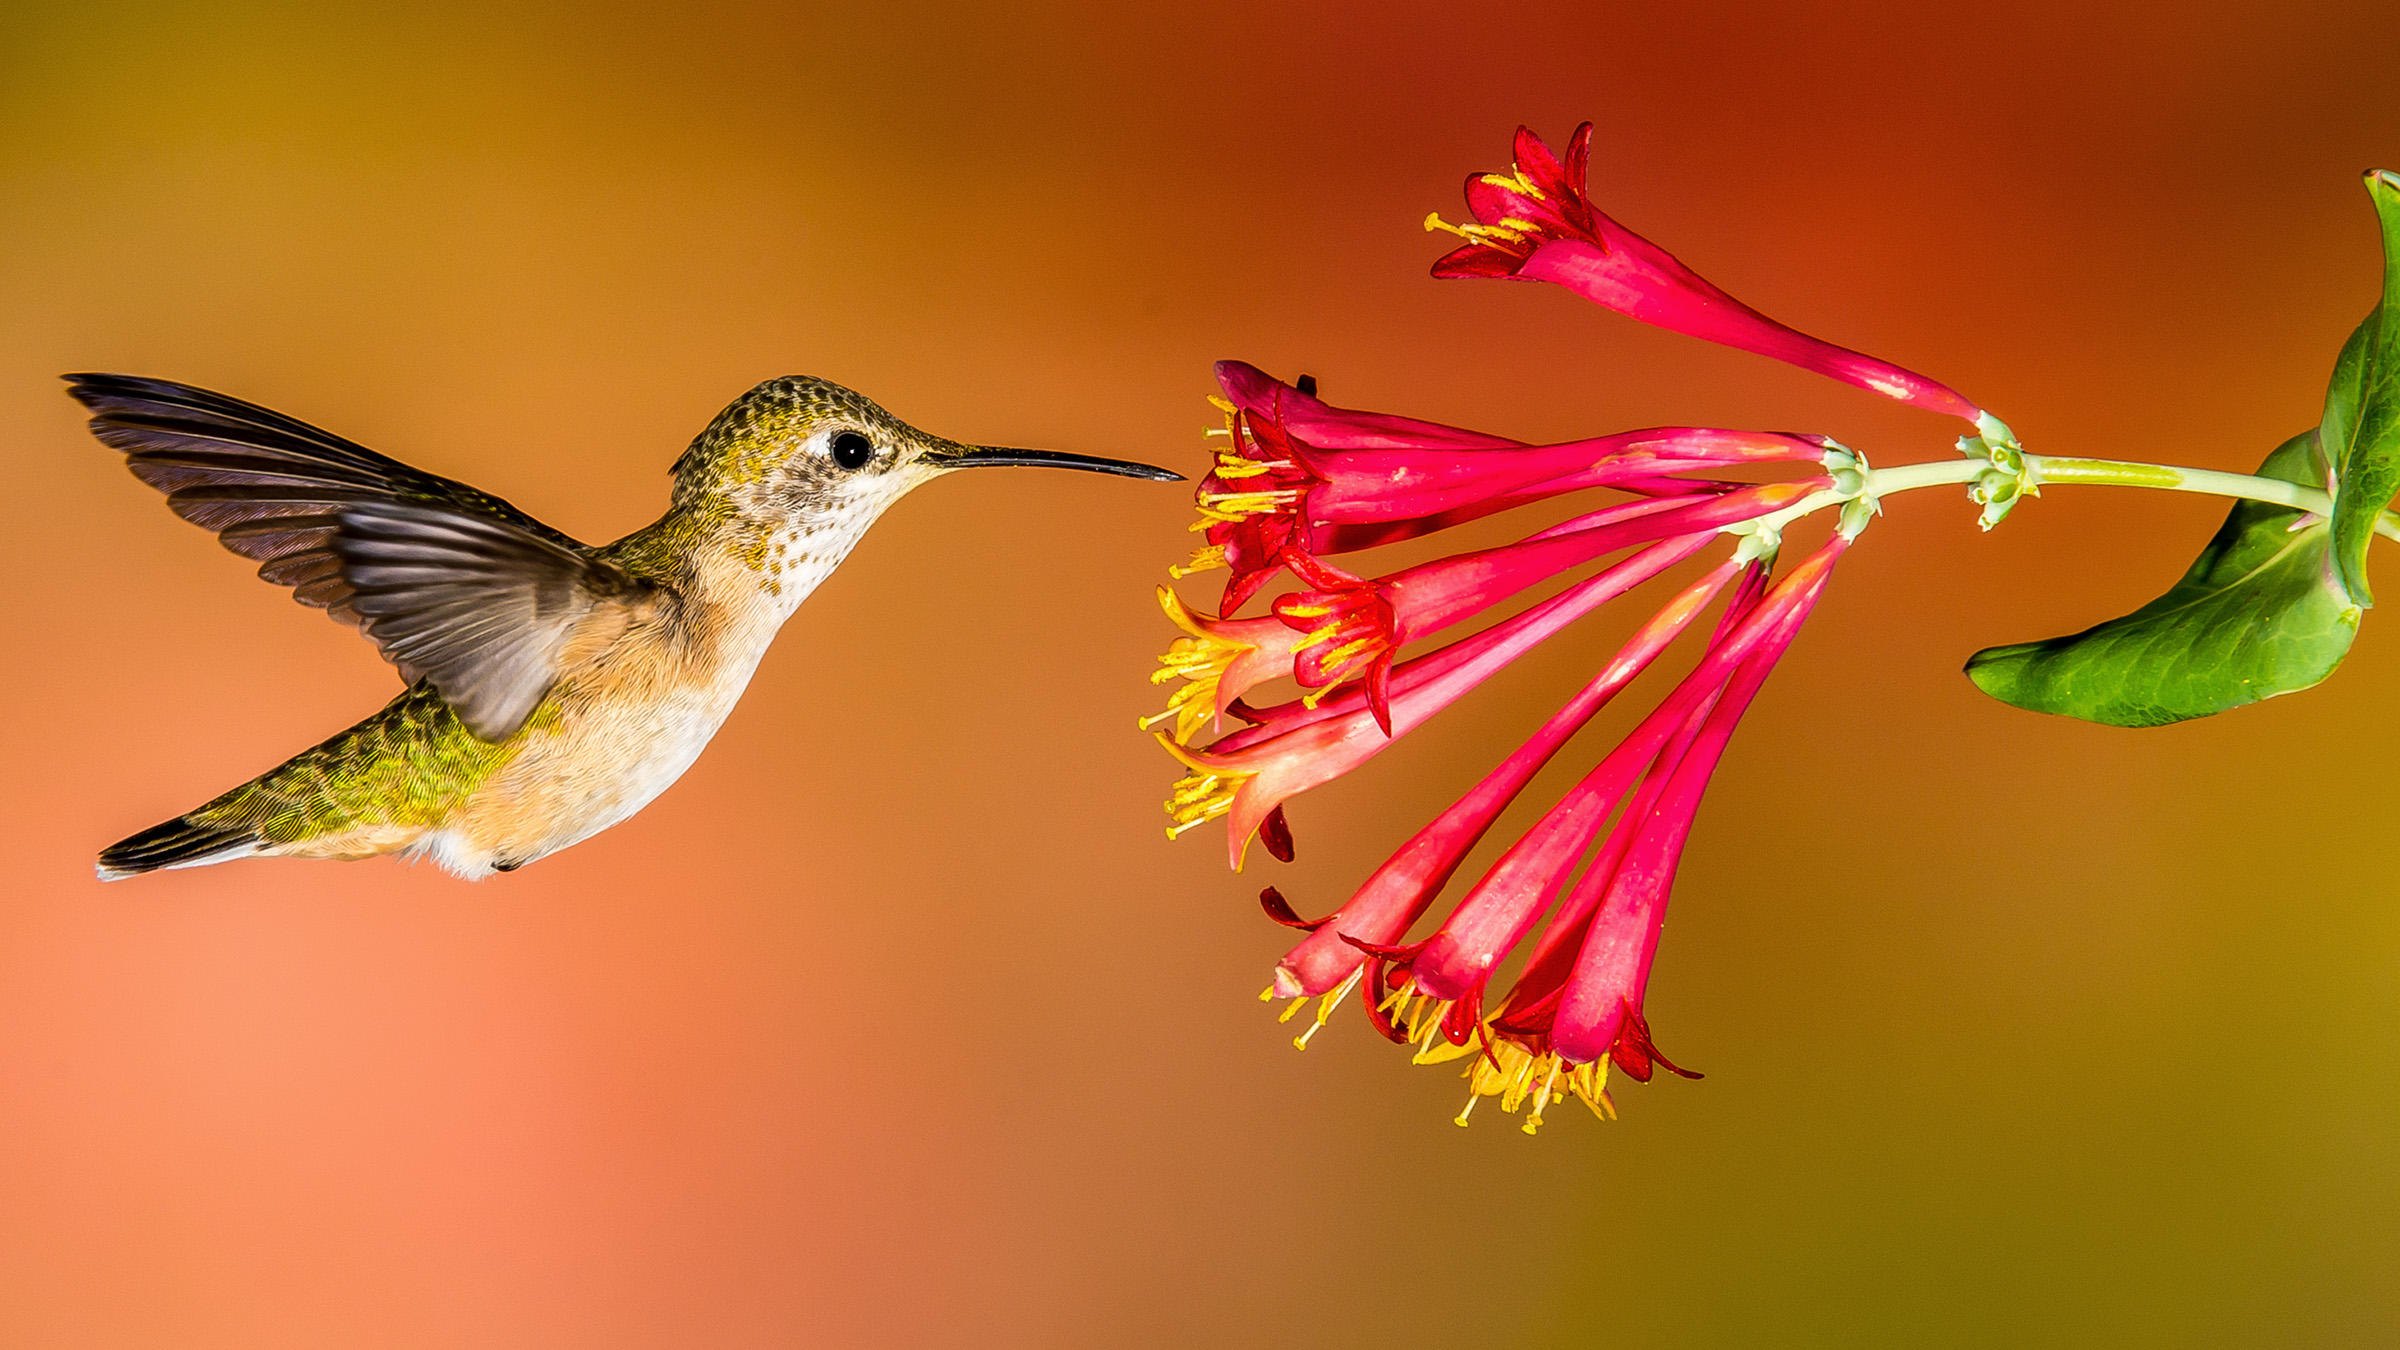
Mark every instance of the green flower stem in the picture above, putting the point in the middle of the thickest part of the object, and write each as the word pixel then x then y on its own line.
pixel 2174 478
pixel 1932 473
pixel 2048 469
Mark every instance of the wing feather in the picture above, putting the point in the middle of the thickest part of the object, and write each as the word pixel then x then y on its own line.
pixel 452 585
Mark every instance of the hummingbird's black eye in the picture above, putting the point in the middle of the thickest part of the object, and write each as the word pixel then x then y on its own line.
pixel 852 450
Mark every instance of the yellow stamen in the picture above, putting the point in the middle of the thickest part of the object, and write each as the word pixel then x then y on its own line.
pixel 1340 657
pixel 1234 466
pixel 1520 1073
pixel 1202 658
pixel 1507 234
pixel 1502 1068
pixel 1487 1079
pixel 1519 1078
pixel 1541 1099
pixel 1197 799
pixel 1232 506
pixel 1326 1003
pixel 1588 1082
pixel 1339 664
pixel 1325 1007
pixel 1233 462
pixel 1203 560
pixel 1433 1033
pixel 1192 707
pixel 1189 659
pixel 1515 181
pixel 1438 1050
pixel 1202 795
pixel 1321 635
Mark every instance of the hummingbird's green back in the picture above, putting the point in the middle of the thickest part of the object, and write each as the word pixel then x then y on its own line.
pixel 405 766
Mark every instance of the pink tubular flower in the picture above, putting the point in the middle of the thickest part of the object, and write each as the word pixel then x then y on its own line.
pixel 1536 222
pixel 1251 773
pixel 1534 977
pixel 1350 626
pixel 1297 475
pixel 1401 890
pixel 1576 1009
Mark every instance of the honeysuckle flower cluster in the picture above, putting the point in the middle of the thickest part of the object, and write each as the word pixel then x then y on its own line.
pixel 1536 974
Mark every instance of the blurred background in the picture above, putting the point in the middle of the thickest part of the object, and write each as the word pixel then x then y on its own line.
pixel 897 1022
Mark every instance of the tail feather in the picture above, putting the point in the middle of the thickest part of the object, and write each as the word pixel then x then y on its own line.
pixel 181 842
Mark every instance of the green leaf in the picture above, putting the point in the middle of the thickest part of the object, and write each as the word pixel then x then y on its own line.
pixel 2361 429
pixel 2261 613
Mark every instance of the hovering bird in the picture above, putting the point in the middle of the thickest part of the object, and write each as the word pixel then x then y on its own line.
pixel 554 688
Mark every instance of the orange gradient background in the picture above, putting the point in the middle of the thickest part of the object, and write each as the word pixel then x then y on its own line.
pixel 897 1022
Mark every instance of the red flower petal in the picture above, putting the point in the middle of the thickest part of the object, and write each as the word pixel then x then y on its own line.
pixel 1281 911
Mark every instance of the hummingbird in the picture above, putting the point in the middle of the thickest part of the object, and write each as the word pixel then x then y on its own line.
pixel 553 688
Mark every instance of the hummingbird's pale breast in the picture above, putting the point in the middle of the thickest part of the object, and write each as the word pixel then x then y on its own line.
pixel 622 729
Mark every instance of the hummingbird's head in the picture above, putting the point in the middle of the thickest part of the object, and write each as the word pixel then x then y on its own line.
pixel 805 454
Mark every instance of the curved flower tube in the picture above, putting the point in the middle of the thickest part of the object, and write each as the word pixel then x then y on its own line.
pixel 1401 890
pixel 1350 626
pixel 1579 1000
pixel 1537 222
pixel 1250 774
pixel 1295 475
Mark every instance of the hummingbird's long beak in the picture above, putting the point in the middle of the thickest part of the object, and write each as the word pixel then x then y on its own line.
pixel 1000 456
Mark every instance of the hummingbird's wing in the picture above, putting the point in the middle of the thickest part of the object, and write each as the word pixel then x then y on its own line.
pixel 454 586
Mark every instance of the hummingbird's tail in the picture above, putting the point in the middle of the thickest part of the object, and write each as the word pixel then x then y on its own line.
pixel 181 842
